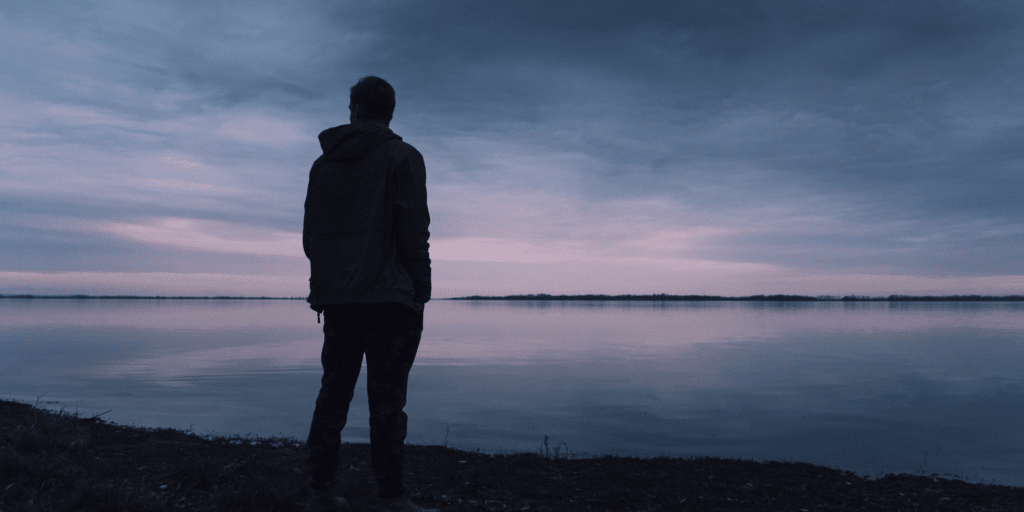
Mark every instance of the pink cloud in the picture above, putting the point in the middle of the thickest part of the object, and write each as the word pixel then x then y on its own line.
pixel 209 236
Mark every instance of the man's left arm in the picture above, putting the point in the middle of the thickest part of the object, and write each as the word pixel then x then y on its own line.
pixel 306 219
pixel 413 220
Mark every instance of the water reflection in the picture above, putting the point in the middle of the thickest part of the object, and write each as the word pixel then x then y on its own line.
pixel 900 387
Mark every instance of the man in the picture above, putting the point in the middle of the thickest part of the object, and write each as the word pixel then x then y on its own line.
pixel 365 234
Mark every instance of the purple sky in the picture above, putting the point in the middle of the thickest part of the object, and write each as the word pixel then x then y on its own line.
pixel 705 147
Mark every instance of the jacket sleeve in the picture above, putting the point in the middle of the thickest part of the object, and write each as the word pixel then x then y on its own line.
pixel 412 221
pixel 311 189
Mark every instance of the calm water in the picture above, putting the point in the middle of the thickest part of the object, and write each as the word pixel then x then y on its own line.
pixel 869 387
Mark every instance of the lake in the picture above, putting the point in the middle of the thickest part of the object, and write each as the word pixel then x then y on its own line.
pixel 872 387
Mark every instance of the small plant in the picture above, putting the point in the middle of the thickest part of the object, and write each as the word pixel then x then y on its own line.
pixel 556 453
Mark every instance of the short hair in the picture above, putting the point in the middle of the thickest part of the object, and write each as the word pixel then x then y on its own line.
pixel 375 97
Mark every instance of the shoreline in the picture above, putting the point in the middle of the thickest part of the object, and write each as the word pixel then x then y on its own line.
pixel 53 460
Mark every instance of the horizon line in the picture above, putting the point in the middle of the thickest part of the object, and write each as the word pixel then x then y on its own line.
pixel 760 297
pixel 177 297
pixel 596 297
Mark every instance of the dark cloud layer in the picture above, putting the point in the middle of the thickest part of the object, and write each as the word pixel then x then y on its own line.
pixel 878 137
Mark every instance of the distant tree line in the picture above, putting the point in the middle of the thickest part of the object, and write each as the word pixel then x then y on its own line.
pixel 774 298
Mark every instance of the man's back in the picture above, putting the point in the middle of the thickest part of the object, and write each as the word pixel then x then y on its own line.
pixel 365 228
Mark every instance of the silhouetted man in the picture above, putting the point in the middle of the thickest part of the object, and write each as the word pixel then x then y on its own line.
pixel 365 234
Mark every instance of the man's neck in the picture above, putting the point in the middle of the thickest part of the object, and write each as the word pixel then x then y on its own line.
pixel 374 121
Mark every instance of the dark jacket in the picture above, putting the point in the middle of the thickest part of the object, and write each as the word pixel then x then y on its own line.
pixel 365 227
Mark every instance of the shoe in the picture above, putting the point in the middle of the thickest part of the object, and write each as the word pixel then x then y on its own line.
pixel 326 501
pixel 403 504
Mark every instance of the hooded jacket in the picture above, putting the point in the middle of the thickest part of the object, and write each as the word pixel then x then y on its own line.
pixel 365 226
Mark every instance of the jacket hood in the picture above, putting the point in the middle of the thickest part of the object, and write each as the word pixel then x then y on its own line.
pixel 351 142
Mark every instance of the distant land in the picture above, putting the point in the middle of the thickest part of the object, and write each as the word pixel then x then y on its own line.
pixel 218 297
pixel 773 298
pixel 651 297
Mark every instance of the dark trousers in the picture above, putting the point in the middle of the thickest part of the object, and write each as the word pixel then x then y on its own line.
pixel 389 335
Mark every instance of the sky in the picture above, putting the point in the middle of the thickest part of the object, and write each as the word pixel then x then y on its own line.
pixel 703 147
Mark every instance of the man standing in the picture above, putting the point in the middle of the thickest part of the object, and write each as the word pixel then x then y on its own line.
pixel 365 234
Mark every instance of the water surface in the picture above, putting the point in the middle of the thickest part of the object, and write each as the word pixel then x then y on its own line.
pixel 870 387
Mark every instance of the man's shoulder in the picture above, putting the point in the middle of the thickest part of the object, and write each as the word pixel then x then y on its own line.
pixel 398 150
pixel 400 146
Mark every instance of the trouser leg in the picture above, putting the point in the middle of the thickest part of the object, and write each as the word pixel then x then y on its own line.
pixel 345 339
pixel 389 359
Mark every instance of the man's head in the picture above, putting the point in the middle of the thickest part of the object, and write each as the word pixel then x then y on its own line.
pixel 371 99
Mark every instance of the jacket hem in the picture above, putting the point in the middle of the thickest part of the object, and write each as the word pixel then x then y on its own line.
pixel 362 297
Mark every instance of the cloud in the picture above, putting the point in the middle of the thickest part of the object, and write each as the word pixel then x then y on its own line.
pixel 835 137
pixel 155 283
pixel 502 250
pixel 262 130
pixel 182 185
pixel 209 236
